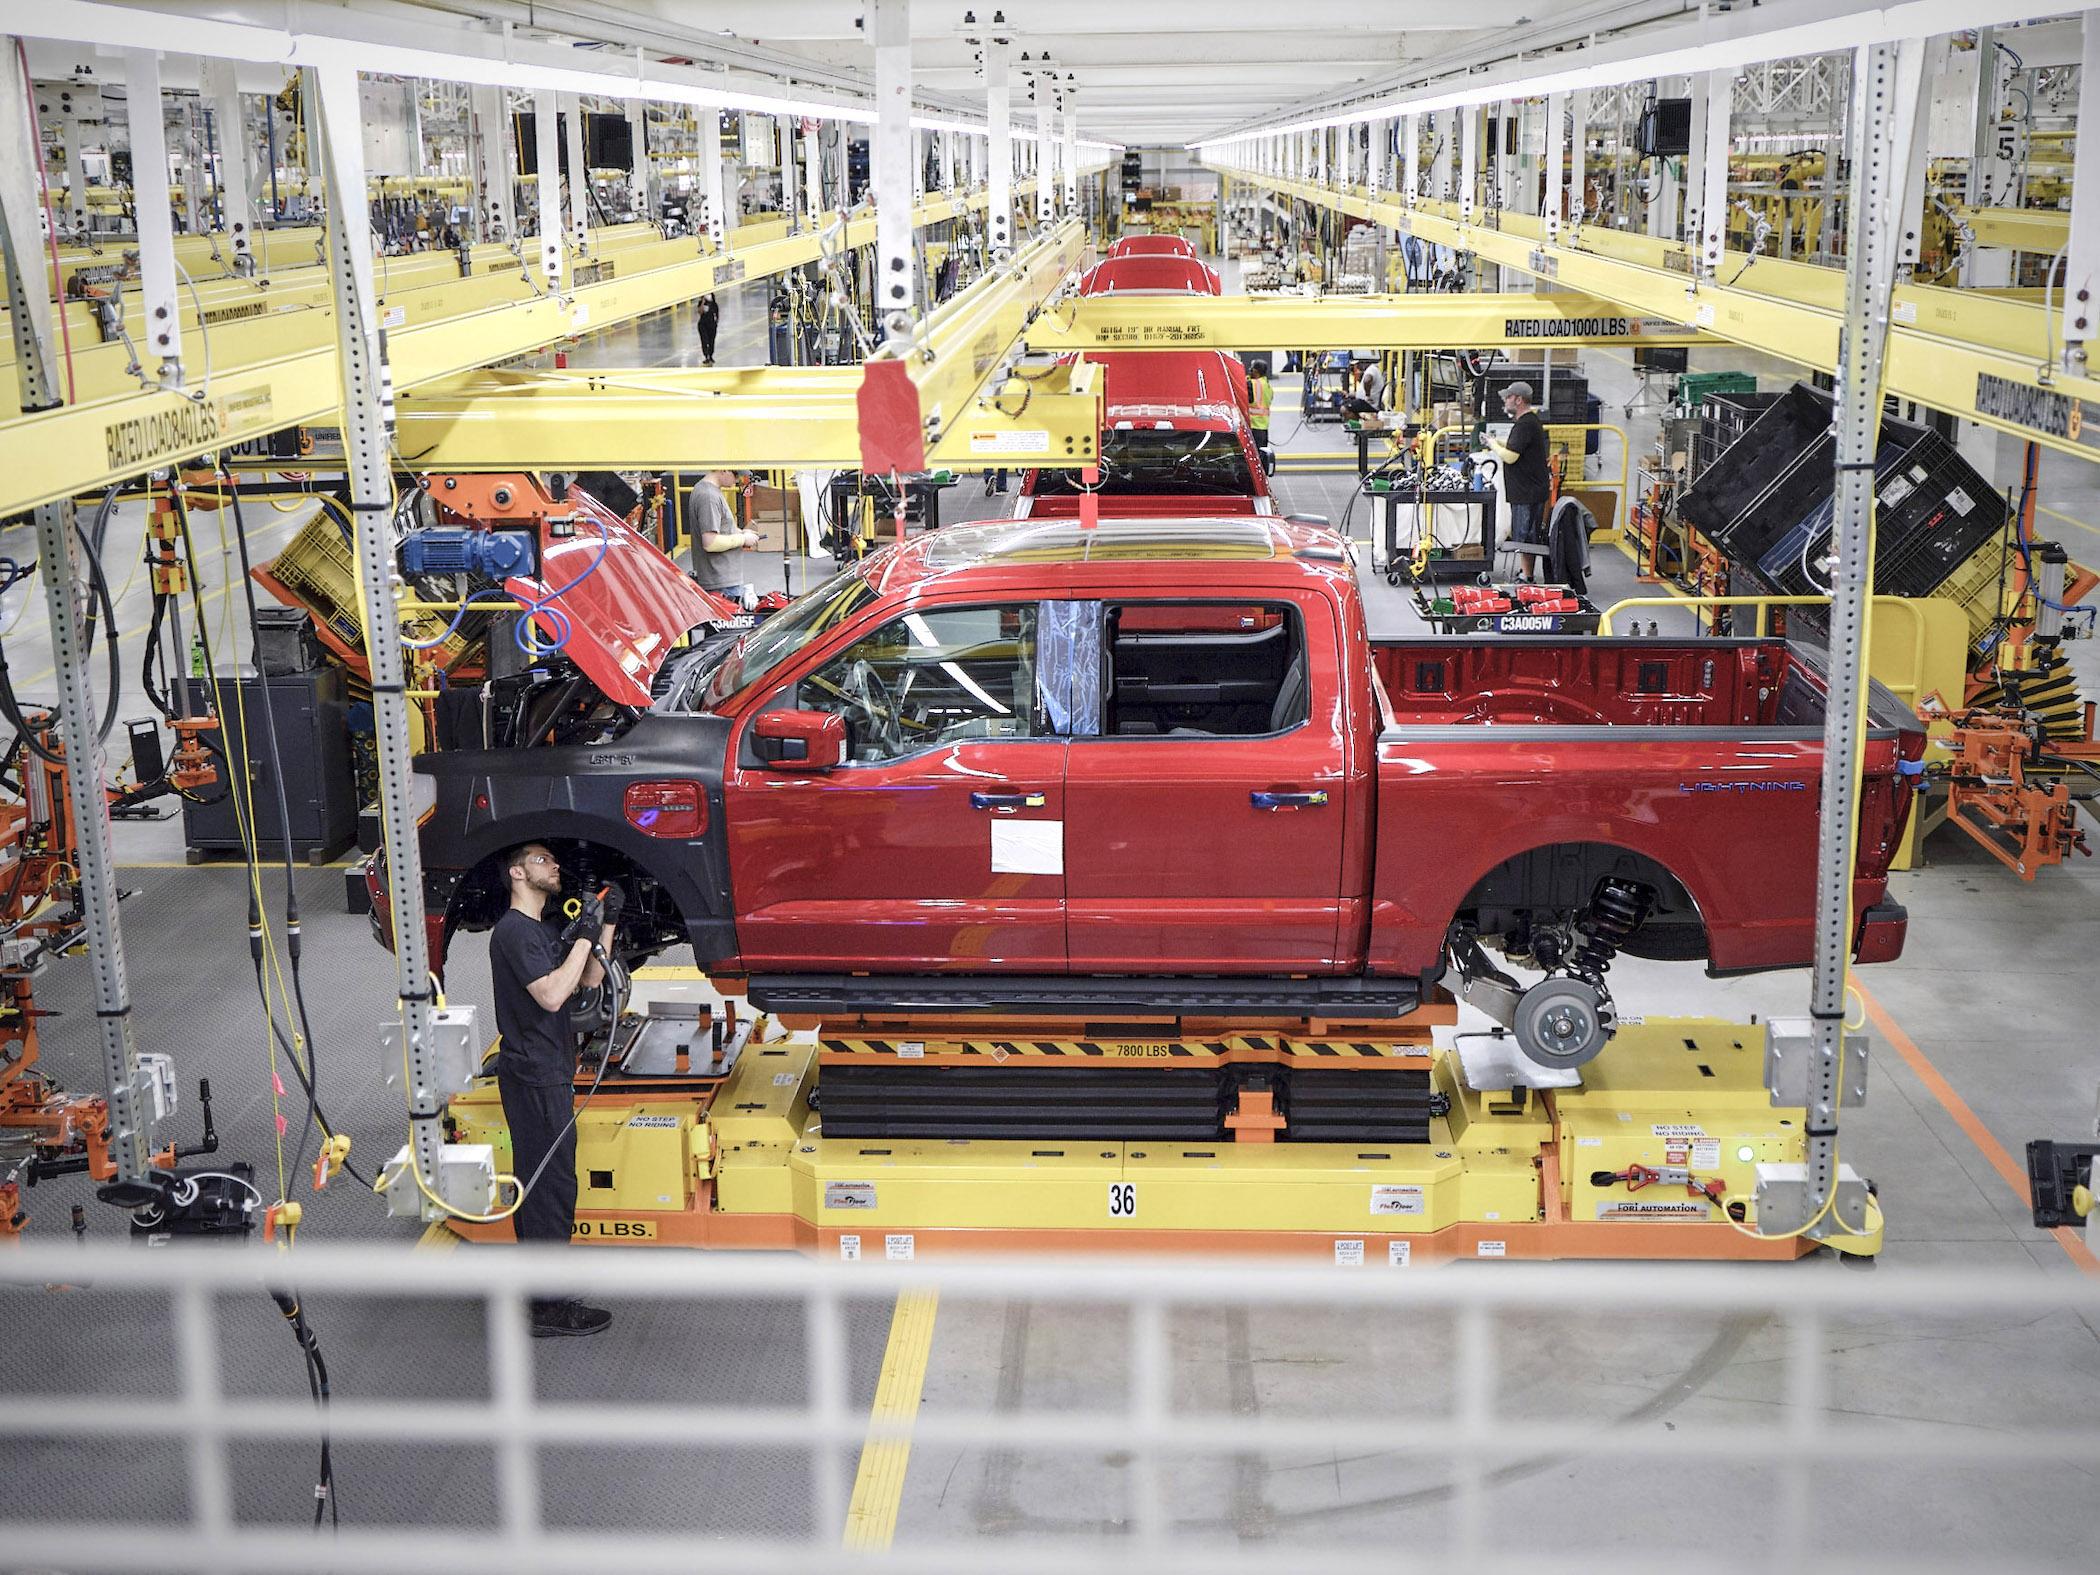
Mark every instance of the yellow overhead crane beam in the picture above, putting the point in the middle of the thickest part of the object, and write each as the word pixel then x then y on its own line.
pixel 269 374
pixel 1981 357
pixel 761 418
pixel 407 290
pixel 1431 320
pixel 2041 230
pixel 774 417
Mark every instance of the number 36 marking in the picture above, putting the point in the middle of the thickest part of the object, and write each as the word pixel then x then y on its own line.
pixel 1122 1200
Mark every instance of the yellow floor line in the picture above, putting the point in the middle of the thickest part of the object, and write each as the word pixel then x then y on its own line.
pixel 878 1486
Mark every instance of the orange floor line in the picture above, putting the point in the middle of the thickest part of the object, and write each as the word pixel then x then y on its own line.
pixel 2072 1242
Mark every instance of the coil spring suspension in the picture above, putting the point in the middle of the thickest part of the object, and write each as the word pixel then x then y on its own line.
pixel 1617 909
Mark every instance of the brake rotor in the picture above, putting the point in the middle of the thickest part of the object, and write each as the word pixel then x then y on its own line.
pixel 1564 1022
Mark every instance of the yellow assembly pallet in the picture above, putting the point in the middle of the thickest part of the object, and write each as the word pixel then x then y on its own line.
pixel 743 1162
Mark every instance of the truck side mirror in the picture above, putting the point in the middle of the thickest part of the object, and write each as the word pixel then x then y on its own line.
pixel 799 740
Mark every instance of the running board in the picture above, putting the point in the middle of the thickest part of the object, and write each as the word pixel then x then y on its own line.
pixel 1083 994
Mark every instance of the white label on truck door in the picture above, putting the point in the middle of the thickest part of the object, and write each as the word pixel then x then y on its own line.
pixel 1028 847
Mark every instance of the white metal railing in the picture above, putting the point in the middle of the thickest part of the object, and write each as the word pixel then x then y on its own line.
pixel 1460 1318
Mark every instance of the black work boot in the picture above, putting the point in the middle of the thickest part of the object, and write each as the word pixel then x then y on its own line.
pixel 561 1318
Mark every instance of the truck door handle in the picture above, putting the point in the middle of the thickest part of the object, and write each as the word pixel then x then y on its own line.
pixel 1262 800
pixel 1006 801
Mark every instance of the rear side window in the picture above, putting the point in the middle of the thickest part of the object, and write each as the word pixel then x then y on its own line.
pixel 1207 669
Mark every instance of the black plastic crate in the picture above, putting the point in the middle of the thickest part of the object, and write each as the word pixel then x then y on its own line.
pixel 1933 513
pixel 1738 477
pixel 1726 417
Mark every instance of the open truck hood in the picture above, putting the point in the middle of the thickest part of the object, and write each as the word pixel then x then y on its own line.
pixel 624 603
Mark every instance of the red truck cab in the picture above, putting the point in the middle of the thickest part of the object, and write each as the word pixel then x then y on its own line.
pixel 1150 275
pixel 1160 765
pixel 1175 441
pixel 1152 246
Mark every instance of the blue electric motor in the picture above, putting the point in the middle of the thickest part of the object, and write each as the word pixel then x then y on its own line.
pixel 490 554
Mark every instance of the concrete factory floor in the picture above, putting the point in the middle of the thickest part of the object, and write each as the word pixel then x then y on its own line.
pixel 1996 995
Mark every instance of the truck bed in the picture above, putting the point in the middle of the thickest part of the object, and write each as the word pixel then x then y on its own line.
pixel 1693 767
pixel 1601 681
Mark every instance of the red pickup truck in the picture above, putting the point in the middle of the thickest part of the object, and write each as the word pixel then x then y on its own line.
pixel 1175 442
pixel 1161 766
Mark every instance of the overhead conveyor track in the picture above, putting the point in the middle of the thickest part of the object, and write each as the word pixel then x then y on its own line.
pixel 1982 358
pixel 85 446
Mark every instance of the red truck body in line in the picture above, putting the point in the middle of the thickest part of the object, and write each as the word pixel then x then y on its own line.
pixel 1152 246
pixel 1150 275
pixel 1175 442
pixel 1056 757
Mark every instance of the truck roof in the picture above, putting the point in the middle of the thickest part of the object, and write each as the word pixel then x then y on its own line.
pixel 1187 388
pixel 1142 275
pixel 960 551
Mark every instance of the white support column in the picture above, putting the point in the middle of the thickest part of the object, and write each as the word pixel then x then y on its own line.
pixel 579 177
pixel 784 150
pixel 22 261
pixel 149 185
pixel 947 144
pixel 1469 160
pixel 842 139
pixel 231 134
pixel 1713 184
pixel 1913 159
pixel 714 219
pixel 999 152
pixel 813 171
pixel 189 142
pixel 1554 161
pixel 72 101
pixel 1411 152
pixel 1578 150
pixel 890 157
pixel 1045 163
pixel 546 136
pixel 360 352
pixel 641 180
pixel 2082 262
pixel 1443 132
pixel 1071 159
pixel 494 161
pixel 1377 156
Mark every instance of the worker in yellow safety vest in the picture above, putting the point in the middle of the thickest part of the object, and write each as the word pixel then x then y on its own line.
pixel 1259 397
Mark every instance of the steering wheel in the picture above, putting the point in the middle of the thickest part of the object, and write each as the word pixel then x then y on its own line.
pixel 865 688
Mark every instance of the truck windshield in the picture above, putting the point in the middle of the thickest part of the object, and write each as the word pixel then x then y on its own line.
pixel 809 617
pixel 1153 461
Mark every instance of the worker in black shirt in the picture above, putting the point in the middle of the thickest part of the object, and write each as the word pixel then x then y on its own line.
pixel 1526 483
pixel 535 972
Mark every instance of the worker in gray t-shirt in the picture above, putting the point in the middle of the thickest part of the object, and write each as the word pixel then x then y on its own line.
pixel 719 543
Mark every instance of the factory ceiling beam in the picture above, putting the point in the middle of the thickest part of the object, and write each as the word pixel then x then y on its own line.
pixel 1983 358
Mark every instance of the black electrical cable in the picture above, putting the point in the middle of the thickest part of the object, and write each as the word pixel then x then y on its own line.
pixel 284 824
pixel 248 844
pixel 325 1504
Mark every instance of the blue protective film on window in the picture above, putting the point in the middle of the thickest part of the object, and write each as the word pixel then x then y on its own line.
pixel 1068 665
